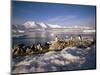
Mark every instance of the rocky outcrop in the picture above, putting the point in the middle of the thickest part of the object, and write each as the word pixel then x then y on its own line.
pixel 21 49
pixel 62 44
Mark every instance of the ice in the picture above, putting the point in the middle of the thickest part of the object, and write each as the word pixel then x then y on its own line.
pixel 70 58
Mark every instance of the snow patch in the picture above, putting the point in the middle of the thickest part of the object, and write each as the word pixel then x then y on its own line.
pixel 30 24
pixel 67 59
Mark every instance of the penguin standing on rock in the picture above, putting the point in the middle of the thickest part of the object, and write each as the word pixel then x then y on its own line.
pixel 56 39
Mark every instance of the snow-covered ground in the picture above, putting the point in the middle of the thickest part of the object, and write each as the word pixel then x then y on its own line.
pixel 70 58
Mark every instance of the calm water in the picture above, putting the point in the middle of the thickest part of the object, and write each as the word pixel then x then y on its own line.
pixel 43 37
pixel 53 61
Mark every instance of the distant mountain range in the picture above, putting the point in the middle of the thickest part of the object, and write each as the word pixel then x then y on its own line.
pixel 32 24
pixel 29 25
pixel 39 26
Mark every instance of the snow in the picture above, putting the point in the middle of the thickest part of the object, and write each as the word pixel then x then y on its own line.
pixel 89 31
pixel 33 24
pixel 42 25
pixel 30 24
pixel 71 58
pixel 21 31
pixel 54 26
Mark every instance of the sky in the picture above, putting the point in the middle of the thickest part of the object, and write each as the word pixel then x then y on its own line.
pixel 61 14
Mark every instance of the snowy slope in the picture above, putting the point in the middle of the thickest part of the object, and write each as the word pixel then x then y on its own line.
pixel 32 24
pixel 70 58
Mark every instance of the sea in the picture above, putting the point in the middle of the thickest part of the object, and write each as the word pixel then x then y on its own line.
pixel 42 37
pixel 68 59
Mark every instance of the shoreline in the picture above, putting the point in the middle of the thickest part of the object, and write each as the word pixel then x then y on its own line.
pixel 21 49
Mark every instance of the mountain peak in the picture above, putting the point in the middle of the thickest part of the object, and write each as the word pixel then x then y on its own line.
pixel 43 25
pixel 33 24
pixel 30 24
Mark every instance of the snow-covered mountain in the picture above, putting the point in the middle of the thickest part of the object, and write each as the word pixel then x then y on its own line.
pixel 32 24
pixel 55 26
pixel 18 29
pixel 41 26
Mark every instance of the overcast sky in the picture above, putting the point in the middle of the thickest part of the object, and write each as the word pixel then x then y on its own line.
pixel 61 14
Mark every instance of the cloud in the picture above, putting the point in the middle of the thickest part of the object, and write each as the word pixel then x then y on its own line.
pixel 73 20
pixel 61 19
